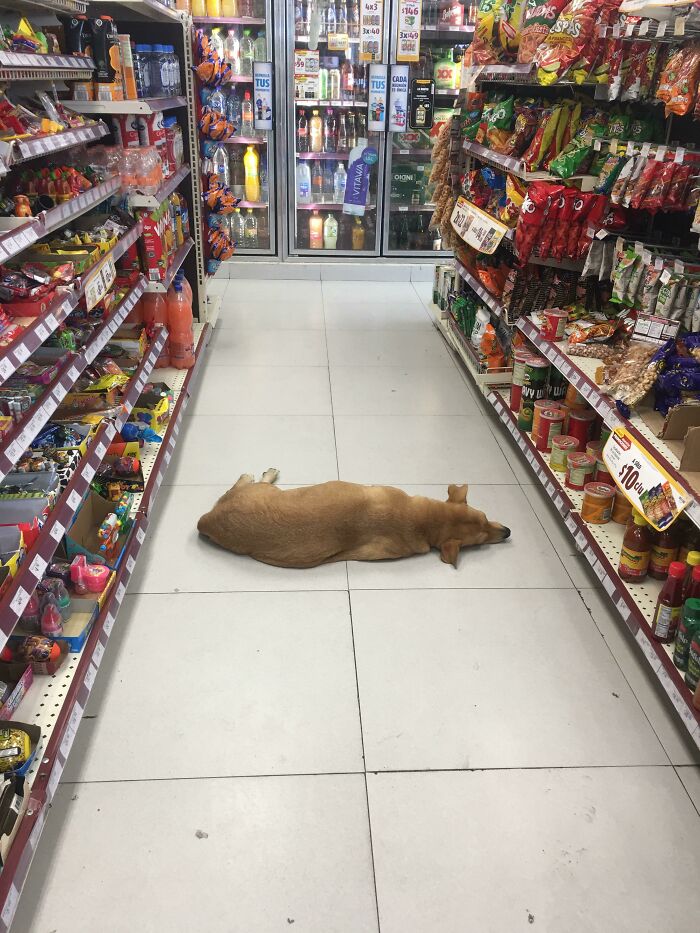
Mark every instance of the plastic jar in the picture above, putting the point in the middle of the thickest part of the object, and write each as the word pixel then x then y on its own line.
pixel 622 509
pixel 597 504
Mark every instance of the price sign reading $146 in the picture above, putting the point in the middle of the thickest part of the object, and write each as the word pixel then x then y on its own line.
pixel 643 481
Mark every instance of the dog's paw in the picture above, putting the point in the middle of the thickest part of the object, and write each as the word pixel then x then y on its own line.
pixel 270 475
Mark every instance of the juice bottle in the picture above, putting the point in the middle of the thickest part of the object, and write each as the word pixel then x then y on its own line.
pixel 315 132
pixel 155 311
pixel 636 550
pixel 229 8
pixel 330 232
pixel 687 625
pixel 669 604
pixel 180 327
pixel 199 8
pixel 664 551
pixel 315 231
pixel 358 234
pixel 251 164
pixel 186 287
pixel 214 9
pixel 135 316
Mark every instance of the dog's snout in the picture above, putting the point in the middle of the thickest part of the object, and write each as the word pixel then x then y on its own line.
pixel 505 532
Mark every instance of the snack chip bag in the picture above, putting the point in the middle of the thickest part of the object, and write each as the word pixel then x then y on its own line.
pixel 537 22
pixel 510 24
pixel 515 196
pixel 532 217
pixel 484 47
pixel 536 151
pixel 684 86
pixel 568 39
pixel 524 129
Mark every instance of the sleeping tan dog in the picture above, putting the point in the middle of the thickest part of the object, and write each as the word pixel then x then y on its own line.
pixel 342 521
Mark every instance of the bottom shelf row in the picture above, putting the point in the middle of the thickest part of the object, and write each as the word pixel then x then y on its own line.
pixel 601 544
pixel 70 587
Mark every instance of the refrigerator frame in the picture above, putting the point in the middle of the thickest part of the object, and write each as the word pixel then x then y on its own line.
pixel 304 253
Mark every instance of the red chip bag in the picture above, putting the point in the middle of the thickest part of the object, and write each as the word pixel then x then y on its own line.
pixel 582 206
pixel 555 208
pixel 676 196
pixel 647 176
pixel 532 216
pixel 569 38
pixel 655 196
pixel 560 240
pixel 537 22
pixel 593 222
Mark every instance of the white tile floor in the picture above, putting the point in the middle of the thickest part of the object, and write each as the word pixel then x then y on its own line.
pixel 400 747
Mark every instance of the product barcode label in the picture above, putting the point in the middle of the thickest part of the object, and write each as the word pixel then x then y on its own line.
pixel 20 600
pixel 98 653
pixel 88 472
pixel 130 564
pixel 108 624
pixel 623 608
pixel 22 353
pixel 119 595
pixel 140 535
pixel 74 500
pixel 609 585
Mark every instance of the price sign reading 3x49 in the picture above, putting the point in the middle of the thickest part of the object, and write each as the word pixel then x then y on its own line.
pixel 643 481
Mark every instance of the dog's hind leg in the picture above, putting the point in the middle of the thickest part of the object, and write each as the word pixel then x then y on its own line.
pixel 244 480
pixel 270 476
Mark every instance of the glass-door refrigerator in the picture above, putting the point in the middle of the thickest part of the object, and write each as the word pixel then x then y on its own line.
pixel 427 43
pixel 331 47
pixel 241 31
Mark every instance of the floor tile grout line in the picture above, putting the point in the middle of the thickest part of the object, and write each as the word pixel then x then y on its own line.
pixel 354 654
pixel 624 676
pixel 376 773
pixel 681 782
pixel 360 589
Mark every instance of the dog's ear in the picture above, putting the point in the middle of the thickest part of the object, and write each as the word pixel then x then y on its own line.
pixel 457 493
pixel 449 552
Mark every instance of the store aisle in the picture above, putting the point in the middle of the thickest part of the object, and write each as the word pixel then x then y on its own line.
pixel 401 747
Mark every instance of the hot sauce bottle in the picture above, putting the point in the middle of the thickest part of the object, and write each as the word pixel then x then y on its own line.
pixel 636 550
pixel 669 605
pixel 664 551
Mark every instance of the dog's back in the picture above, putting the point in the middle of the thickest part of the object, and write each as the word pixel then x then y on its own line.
pixel 314 524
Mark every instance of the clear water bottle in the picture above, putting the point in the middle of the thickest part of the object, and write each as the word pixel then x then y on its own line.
pixel 260 47
pixel 159 77
pixel 175 81
pixel 142 70
pixel 250 230
pixel 247 53
pixel 237 224
pixel 233 109
pixel 232 51
pixel 220 166
pixel 217 101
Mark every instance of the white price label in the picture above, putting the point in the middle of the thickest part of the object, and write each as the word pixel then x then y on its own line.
pixel 73 374
pixel 53 781
pixel 130 564
pixel 41 332
pixel 623 608
pixel 550 489
pixel 74 500
pixel 60 392
pixel 57 531
pixel 88 472
pixel 6 368
pixel 38 828
pixel 581 540
pixel 98 654
pixel 10 906
pixel 100 450
pixel 20 600
pixel 90 676
pixel 110 431
pixel 22 353
pixel 140 535
pixel 38 566
pixel 119 595
pixel 108 624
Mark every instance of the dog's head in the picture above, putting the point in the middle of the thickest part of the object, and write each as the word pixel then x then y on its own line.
pixel 468 527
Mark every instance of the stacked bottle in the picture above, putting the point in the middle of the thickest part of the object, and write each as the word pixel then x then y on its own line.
pixel 179 311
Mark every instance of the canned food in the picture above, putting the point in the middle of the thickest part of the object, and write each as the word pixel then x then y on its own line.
pixel 597 504
pixel 562 446
pixel 520 358
pixel 622 509
pixel 535 378
pixel 581 425
pixel 579 469
pixel 554 327
pixel 549 426
pixel 602 474
pixel 540 405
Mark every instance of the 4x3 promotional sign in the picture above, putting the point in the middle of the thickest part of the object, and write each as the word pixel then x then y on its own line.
pixel 643 481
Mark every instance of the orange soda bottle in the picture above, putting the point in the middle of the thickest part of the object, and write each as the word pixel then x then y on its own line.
pixel 155 311
pixel 180 326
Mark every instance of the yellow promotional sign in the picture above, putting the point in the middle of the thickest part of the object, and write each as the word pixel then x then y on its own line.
pixel 643 481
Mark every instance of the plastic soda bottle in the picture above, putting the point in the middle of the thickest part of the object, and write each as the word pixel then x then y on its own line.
pixel 180 326
pixel 251 164
pixel 155 311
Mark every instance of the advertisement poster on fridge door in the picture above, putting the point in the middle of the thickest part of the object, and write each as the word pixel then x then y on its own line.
pixel 262 95
pixel 377 98
pixel 408 31
pixel 371 29
pixel 398 99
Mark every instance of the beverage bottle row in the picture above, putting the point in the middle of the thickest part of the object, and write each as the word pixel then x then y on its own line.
pixel 411 234
pixel 156 71
pixel 334 132
pixel 355 233
pixel 246 175
pixel 336 16
pixel 174 310
pixel 218 8
pixel 448 13
pixel 317 184
pixel 245 230
pixel 240 50
pixel 238 109
pixel 336 81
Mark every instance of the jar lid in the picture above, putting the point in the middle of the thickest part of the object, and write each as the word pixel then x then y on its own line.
pixel 599 490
